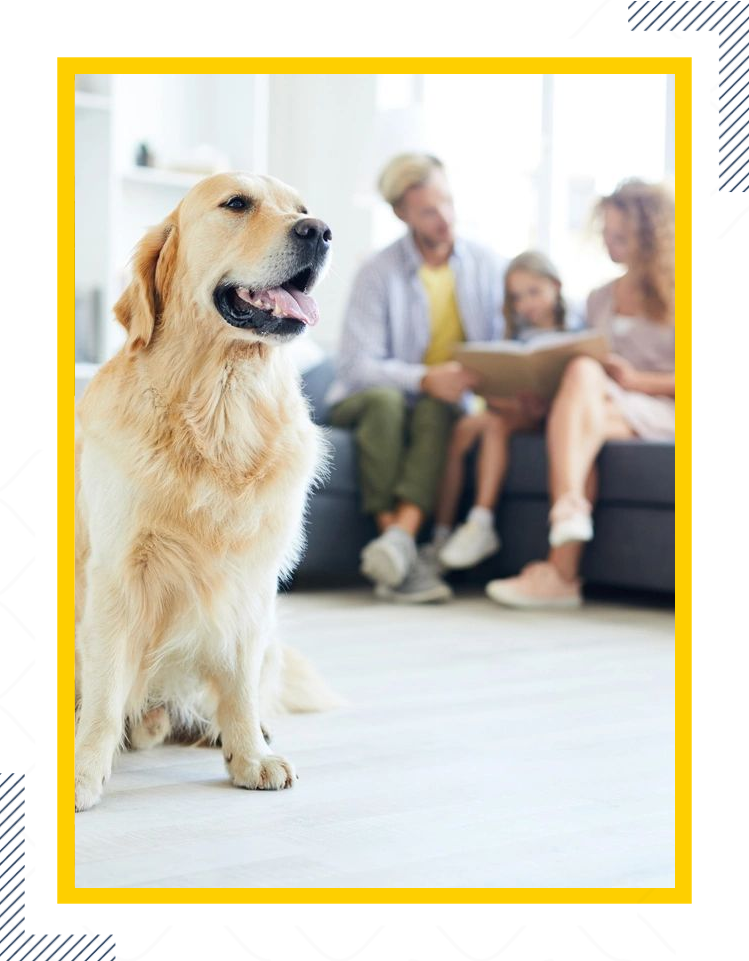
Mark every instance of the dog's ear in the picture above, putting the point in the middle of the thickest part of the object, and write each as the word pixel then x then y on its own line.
pixel 142 301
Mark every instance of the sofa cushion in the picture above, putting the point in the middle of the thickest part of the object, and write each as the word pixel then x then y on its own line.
pixel 344 475
pixel 633 546
pixel 638 471
pixel 630 472
pixel 315 384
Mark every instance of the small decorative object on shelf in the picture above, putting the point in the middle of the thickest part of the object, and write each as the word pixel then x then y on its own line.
pixel 143 155
pixel 203 159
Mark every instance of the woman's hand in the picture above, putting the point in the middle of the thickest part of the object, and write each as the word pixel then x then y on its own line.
pixel 622 372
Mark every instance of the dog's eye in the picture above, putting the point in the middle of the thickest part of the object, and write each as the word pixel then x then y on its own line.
pixel 303 210
pixel 236 203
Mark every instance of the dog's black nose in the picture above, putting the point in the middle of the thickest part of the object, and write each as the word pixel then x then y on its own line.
pixel 313 230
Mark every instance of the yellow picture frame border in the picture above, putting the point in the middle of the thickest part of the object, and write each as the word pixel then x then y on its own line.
pixel 712 819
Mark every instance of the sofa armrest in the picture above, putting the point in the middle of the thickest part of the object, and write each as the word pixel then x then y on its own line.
pixel 315 384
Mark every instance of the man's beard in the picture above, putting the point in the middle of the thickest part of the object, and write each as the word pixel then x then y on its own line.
pixel 432 244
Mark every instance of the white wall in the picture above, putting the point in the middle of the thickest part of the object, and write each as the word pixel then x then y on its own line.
pixel 320 128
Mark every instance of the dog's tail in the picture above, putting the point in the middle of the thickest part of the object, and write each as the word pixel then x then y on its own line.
pixel 300 687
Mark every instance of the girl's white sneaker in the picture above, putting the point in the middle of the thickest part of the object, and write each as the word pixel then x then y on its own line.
pixel 468 545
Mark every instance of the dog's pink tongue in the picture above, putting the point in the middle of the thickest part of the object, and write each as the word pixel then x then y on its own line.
pixel 284 303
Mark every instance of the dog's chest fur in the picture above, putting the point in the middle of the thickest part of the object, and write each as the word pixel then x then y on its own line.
pixel 203 496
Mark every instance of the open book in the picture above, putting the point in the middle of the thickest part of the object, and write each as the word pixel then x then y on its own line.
pixel 507 367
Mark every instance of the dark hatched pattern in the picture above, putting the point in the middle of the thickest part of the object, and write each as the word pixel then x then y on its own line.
pixel 16 942
pixel 729 21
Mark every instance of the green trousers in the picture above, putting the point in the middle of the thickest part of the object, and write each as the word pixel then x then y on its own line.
pixel 401 448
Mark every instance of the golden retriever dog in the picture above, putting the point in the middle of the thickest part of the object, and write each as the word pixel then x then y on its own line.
pixel 196 454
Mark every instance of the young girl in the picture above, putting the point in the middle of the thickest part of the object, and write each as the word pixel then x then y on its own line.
pixel 631 395
pixel 533 304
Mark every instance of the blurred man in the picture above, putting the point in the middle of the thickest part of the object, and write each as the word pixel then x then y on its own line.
pixel 397 385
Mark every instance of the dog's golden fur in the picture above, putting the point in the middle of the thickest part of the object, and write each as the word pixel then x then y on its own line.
pixel 196 453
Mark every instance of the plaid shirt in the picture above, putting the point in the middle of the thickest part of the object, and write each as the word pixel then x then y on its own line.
pixel 387 329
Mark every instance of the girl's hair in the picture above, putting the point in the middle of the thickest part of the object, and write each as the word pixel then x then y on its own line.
pixel 650 210
pixel 534 262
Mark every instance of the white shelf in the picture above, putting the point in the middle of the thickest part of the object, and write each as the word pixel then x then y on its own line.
pixel 116 200
pixel 85 371
pixel 154 176
pixel 91 101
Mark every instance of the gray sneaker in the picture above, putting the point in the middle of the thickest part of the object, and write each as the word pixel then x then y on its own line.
pixel 430 554
pixel 423 585
pixel 389 558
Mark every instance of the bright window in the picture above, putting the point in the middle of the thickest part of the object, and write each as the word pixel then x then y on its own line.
pixel 488 132
pixel 528 155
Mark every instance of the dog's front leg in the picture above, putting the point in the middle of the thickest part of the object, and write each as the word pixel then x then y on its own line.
pixel 248 759
pixel 106 679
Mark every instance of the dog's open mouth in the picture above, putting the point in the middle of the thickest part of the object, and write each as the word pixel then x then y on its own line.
pixel 284 310
pixel 287 301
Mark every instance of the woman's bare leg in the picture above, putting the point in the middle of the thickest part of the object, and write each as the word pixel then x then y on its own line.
pixel 582 418
pixel 567 558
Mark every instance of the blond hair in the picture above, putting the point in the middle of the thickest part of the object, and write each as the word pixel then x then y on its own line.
pixel 533 262
pixel 405 171
pixel 650 210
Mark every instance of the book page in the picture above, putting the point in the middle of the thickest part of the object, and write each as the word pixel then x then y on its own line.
pixel 549 364
pixel 534 368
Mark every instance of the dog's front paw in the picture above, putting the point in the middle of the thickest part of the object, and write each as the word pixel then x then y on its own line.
pixel 266 773
pixel 87 792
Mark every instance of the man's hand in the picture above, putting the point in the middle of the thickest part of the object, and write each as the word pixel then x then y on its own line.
pixel 621 371
pixel 448 381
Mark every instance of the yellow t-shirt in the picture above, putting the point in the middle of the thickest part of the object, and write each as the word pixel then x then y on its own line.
pixel 445 323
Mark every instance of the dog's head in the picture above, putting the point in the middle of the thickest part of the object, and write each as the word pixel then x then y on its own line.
pixel 242 249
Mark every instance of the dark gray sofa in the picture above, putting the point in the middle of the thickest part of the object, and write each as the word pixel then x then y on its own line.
pixel 634 517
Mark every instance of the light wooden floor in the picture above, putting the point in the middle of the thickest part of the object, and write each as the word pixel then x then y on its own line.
pixel 482 748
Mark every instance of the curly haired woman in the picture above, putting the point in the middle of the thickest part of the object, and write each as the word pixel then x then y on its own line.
pixel 631 395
